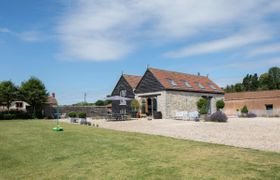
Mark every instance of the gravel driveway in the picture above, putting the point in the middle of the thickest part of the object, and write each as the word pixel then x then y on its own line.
pixel 255 133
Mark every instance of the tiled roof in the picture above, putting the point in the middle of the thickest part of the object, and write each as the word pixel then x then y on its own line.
pixel 132 80
pixel 52 101
pixel 182 81
pixel 252 95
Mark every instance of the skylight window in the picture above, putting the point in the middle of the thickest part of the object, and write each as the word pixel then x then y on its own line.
pixel 172 82
pixel 187 84
pixel 200 85
pixel 212 86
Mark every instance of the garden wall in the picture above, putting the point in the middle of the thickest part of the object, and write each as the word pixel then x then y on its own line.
pixel 91 111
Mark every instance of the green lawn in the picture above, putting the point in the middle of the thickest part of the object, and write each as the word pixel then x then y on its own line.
pixel 31 150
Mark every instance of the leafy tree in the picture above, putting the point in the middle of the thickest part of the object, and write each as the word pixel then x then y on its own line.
pixel 274 78
pixel 8 93
pixel 35 94
pixel 238 87
pixel 264 81
pixel 99 103
pixel 220 104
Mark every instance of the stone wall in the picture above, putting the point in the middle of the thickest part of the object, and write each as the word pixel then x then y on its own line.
pixel 92 111
pixel 170 102
pixel 186 101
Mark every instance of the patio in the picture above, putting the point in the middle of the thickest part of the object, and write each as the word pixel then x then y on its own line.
pixel 256 133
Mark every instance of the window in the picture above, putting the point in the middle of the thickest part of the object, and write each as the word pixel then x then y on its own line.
pixel 212 86
pixel 269 107
pixel 19 104
pixel 187 84
pixel 172 82
pixel 123 93
pixel 200 85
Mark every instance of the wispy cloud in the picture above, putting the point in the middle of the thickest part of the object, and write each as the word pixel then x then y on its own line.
pixel 27 36
pixel 87 29
pixel 235 41
pixel 266 49
pixel 4 30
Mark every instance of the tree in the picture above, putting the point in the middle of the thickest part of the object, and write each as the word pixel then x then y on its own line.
pixel 220 104
pixel 238 87
pixel 35 94
pixel 244 110
pixel 264 81
pixel 8 93
pixel 274 78
pixel 99 103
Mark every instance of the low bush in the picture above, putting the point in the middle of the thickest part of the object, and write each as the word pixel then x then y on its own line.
pixel 251 115
pixel 218 116
pixel 72 114
pixel 82 115
pixel 14 114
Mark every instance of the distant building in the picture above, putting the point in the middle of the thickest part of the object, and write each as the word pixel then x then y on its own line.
pixel 262 103
pixel 16 105
pixel 49 109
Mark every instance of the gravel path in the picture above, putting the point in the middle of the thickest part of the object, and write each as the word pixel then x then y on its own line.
pixel 255 133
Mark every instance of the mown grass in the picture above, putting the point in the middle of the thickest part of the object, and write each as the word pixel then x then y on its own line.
pixel 29 149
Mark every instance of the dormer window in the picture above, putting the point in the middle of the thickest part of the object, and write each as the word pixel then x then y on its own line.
pixel 200 85
pixel 123 93
pixel 212 86
pixel 187 84
pixel 172 82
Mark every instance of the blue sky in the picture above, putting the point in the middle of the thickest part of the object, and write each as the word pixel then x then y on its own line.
pixel 83 46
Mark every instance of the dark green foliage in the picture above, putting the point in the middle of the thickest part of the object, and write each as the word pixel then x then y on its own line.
pixel 202 106
pixel 8 93
pixel 218 116
pixel 35 94
pixel 82 115
pixel 72 114
pixel 266 81
pixel 102 103
pixel 274 78
pixel 220 104
pixel 14 114
pixel 244 110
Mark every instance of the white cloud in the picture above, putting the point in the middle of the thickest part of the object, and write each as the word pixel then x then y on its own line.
pixel 235 41
pixel 4 30
pixel 31 36
pixel 87 29
pixel 267 49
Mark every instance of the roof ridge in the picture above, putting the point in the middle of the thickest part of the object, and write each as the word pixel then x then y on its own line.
pixel 178 72
pixel 131 75
pixel 253 91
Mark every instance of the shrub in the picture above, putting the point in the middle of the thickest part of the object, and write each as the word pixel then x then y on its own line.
pixel 72 114
pixel 244 110
pixel 218 116
pixel 82 115
pixel 134 105
pixel 220 104
pixel 9 116
pixel 251 115
pixel 202 106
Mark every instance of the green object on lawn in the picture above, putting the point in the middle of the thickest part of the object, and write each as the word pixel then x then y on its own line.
pixel 57 128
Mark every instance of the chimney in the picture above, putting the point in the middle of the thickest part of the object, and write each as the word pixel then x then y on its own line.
pixel 53 95
pixel 198 73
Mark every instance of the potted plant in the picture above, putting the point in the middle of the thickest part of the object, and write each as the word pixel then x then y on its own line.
pixel 220 104
pixel 83 118
pixel 244 111
pixel 72 116
pixel 202 108
pixel 134 107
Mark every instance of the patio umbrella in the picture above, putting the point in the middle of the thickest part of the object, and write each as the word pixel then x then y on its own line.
pixel 117 98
